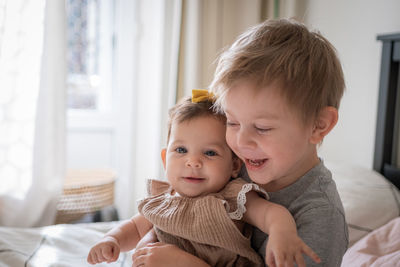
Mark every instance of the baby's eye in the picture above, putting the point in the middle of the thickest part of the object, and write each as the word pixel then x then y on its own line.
pixel 181 150
pixel 210 153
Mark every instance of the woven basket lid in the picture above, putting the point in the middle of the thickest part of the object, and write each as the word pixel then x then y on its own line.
pixel 77 178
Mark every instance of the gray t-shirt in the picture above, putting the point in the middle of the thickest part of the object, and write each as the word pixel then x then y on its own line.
pixel 315 204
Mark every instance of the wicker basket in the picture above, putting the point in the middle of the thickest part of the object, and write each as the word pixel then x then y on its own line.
pixel 85 191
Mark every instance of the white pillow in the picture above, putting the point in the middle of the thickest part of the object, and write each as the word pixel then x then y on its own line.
pixel 369 200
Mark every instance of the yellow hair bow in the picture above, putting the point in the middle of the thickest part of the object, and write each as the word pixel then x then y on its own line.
pixel 200 95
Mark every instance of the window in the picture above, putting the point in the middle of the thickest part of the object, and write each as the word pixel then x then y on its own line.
pixel 90 25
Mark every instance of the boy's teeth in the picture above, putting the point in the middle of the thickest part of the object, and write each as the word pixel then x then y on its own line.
pixel 256 162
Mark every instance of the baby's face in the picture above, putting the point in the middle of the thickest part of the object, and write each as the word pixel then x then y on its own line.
pixel 198 159
pixel 268 135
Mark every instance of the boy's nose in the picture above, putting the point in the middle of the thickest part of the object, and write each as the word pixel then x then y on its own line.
pixel 193 162
pixel 244 140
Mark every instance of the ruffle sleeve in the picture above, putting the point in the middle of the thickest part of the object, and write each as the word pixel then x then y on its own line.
pixel 234 194
pixel 156 187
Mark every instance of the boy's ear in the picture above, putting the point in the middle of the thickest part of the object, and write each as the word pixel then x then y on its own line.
pixel 237 165
pixel 163 156
pixel 324 123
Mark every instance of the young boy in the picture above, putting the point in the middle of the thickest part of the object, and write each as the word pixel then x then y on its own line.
pixel 280 86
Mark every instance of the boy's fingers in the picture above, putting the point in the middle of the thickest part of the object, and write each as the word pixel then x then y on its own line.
pixel 289 262
pixel 299 260
pixel 271 263
pixel 308 251
pixel 279 260
pixel 155 244
pixel 139 252
pixel 270 260
pixel 138 261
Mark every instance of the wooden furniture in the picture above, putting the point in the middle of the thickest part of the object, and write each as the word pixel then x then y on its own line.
pixel 386 157
pixel 85 193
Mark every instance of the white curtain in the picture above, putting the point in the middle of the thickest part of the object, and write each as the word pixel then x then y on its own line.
pixel 146 64
pixel 32 110
pixel 207 27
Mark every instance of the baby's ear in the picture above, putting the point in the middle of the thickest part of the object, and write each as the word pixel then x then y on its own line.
pixel 237 165
pixel 163 156
pixel 324 123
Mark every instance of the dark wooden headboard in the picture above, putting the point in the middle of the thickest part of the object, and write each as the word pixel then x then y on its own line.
pixel 387 127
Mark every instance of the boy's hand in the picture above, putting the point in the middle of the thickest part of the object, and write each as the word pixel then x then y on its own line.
pixel 163 255
pixel 106 250
pixel 284 249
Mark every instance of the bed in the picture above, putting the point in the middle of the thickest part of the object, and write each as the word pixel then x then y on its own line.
pixel 371 199
pixel 62 245
pixel 375 239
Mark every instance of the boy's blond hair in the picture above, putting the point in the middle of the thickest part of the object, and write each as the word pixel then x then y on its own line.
pixel 302 62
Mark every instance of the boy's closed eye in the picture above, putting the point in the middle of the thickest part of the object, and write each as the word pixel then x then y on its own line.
pixel 262 129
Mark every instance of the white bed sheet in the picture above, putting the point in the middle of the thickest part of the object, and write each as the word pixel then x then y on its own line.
pixel 58 246
pixel 369 200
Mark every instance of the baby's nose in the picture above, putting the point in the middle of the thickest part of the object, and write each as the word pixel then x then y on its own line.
pixel 193 162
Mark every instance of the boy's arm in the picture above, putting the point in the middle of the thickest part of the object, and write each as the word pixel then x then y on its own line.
pixel 284 246
pixel 129 232
pixel 268 216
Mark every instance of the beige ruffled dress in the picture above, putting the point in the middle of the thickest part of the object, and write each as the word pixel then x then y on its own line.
pixel 207 226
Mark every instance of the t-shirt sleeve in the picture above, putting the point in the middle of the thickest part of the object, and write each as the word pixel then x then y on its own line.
pixel 324 229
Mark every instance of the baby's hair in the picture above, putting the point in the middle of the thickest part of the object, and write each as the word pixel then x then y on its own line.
pixel 186 110
pixel 302 63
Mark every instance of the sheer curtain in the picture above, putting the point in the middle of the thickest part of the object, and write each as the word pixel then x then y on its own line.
pixel 32 87
pixel 207 27
pixel 146 68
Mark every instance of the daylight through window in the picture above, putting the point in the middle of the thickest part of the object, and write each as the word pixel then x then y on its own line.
pixel 90 49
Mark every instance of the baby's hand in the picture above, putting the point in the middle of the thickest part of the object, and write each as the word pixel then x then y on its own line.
pixel 284 250
pixel 106 250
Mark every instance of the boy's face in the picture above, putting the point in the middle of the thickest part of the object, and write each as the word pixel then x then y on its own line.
pixel 198 160
pixel 268 136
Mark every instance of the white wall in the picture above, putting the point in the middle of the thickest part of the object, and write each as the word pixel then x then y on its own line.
pixel 352 27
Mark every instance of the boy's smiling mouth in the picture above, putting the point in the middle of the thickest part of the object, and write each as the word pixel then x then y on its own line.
pixel 255 163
